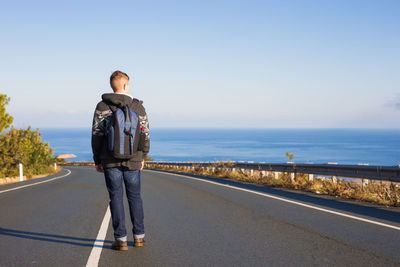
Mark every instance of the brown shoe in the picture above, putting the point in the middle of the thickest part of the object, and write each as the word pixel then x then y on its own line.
pixel 120 245
pixel 139 242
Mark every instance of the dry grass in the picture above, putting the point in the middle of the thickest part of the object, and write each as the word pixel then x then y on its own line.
pixel 384 193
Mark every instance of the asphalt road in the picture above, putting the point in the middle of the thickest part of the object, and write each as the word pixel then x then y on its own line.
pixel 192 222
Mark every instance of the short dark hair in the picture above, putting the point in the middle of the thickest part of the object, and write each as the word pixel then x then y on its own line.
pixel 116 75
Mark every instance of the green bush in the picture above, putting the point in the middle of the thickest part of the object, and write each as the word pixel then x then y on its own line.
pixel 24 146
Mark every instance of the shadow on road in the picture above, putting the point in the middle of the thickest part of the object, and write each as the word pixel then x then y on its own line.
pixel 343 205
pixel 76 241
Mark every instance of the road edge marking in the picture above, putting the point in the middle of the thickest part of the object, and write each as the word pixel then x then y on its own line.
pixel 287 200
pixel 94 257
pixel 41 182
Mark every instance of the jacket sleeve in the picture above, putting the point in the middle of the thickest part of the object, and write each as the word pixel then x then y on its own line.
pixel 98 130
pixel 144 132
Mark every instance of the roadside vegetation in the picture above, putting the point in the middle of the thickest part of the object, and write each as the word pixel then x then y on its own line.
pixel 22 146
pixel 384 193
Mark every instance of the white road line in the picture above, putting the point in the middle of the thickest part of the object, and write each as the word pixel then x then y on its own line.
pixel 94 257
pixel 289 201
pixel 27 185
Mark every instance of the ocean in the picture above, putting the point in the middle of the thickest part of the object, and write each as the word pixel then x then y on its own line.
pixel 343 146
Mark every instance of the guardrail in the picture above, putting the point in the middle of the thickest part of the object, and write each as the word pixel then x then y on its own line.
pixel 365 172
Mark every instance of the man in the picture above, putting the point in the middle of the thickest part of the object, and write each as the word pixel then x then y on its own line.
pixel 118 171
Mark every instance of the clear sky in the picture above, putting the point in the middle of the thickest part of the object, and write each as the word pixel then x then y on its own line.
pixel 263 64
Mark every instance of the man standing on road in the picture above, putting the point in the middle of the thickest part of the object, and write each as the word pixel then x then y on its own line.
pixel 119 170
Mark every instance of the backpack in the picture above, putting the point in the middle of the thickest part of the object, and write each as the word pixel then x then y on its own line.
pixel 121 132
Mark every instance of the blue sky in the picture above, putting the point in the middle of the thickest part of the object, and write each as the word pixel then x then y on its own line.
pixel 257 64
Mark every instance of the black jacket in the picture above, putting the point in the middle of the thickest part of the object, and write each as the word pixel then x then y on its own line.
pixel 102 116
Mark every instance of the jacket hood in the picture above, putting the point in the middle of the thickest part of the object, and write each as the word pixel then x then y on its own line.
pixel 119 100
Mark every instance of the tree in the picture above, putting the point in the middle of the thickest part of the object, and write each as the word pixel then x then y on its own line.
pixel 289 155
pixel 5 118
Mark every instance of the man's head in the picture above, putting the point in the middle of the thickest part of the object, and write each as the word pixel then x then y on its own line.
pixel 119 82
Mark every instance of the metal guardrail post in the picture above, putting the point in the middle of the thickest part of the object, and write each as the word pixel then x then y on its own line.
pixel 365 182
pixel 21 173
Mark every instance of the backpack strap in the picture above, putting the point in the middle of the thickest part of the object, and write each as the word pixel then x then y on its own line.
pixel 112 107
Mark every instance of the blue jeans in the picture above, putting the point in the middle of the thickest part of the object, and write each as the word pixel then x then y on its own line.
pixel 114 178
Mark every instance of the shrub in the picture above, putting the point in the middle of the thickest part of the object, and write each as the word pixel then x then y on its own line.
pixel 24 146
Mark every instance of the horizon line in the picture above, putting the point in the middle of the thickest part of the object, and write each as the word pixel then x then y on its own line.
pixel 234 128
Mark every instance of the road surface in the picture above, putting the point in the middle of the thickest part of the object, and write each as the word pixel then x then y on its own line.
pixel 54 221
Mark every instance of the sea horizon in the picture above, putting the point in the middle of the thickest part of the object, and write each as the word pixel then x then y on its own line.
pixel 232 128
pixel 309 145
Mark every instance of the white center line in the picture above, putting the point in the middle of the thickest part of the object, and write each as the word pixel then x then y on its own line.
pixel 27 185
pixel 287 200
pixel 94 257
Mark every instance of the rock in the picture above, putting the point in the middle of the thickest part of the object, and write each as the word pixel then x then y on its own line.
pixel 66 156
